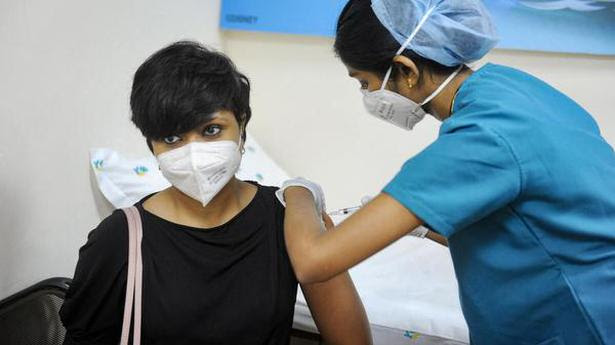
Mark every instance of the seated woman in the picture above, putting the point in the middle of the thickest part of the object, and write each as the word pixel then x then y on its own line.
pixel 215 266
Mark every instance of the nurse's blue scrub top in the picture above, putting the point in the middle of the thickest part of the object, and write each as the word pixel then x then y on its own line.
pixel 522 184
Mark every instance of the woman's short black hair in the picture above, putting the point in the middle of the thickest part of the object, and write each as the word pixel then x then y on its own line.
pixel 181 86
pixel 363 43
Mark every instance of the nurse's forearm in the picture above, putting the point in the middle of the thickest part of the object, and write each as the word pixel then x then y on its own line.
pixel 317 255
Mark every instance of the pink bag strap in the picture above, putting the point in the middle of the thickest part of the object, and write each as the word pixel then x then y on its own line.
pixel 134 282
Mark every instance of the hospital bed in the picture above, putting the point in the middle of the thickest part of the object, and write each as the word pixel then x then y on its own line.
pixel 409 290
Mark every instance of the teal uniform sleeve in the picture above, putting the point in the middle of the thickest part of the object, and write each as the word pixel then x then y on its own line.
pixel 460 178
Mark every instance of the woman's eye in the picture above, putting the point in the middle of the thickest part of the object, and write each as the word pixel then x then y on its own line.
pixel 364 85
pixel 212 130
pixel 171 140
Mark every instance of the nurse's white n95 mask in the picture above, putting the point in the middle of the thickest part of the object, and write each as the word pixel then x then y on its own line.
pixel 395 108
pixel 201 169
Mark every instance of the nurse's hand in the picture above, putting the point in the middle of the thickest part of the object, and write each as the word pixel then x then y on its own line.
pixel 313 187
pixel 327 221
pixel 434 236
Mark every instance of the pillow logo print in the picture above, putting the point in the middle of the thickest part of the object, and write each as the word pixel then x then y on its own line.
pixel 140 170
pixel 412 335
pixel 98 164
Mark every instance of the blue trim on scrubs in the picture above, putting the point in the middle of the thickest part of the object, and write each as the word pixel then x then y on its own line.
pixel 522 184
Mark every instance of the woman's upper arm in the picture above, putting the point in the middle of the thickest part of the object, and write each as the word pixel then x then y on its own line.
pixel 338 312
pixel 93 306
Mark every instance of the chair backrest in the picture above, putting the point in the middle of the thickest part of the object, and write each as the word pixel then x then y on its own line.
pixel 31 317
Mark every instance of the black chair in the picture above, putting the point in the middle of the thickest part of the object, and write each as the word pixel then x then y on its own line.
pixel 30 317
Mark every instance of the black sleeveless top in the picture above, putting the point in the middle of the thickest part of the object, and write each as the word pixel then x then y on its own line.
pixel 232 284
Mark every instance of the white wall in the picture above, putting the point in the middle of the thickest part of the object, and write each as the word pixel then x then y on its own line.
pixel 65 77
pixel 309 115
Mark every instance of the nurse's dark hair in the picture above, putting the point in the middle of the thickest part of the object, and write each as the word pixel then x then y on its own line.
pixel 363 43
pixel 182 85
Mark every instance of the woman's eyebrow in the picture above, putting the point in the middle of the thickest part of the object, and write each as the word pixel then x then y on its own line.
pixel 213 118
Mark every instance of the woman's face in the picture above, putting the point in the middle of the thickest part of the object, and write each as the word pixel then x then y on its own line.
pixel 222 126
pixel 369 81
pixel 404 84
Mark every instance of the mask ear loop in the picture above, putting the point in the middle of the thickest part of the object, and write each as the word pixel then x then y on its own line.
pixel 242 142
pixel 406 43
pixel 443 85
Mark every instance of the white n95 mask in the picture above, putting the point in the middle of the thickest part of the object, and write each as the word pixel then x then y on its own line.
pixel 201 169
pixel 395 108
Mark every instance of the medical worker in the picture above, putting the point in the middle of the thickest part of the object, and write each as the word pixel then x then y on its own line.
pixel 520 180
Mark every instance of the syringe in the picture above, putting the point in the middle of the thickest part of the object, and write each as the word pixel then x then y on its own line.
pixel 344 211
pixel 349 210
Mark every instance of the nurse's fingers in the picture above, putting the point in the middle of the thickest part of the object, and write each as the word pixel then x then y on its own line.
pixel 328 221
pixel 434 236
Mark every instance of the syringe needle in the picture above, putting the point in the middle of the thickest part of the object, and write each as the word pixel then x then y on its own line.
pixel 344 211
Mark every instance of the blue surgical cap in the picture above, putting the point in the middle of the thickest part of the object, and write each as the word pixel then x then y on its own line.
pixel 455 32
